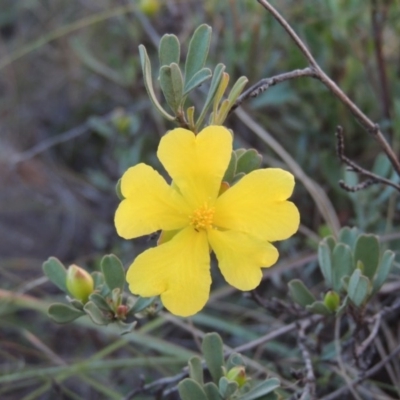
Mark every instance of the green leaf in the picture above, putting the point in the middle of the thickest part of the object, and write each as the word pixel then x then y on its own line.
pixel 169 50
pixel 222 113
pixel 231 170
pixel 212 348
pixel 342 264
pixel 198 51
pixel 318 307
pixel 249 161
pixel 196 370
pixel 100 301
pixel 300 294
pixel 190 117
pixel 262 389
pixel 95 314
pixel 227 388
pixel 348 236
pixel 383 270
pixel 56 272
pixel 191 390
pixel 215 81
pixel 237 90
pixel 325 261
pixel 358 288
pixel 234 360
pixel 171 82
pixel 141 304
pixel 212 391
pixel 62 314
pixel 146 68
pixel 367 251
pixel 198 78
pixel 113 271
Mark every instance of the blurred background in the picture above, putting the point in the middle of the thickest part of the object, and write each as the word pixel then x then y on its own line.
pixel 74 115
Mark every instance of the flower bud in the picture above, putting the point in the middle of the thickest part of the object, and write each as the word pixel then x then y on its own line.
pixel 332 300
pixel 149 7
pixel 79 283
pixel 238 375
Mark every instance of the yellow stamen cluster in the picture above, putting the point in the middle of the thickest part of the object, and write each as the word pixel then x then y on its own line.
pixel 202 218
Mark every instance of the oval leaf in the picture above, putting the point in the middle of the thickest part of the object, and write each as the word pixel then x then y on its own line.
pixel 367 251
pixel 318 307
pixel 325 262
pixel 342 264
pixel 191 390
pixel 148 82
pixel 62 314
pixel 300 294
pixel 198 51
pixel 198 78
pixel 171 82
pixel 169 50
pixel 262 389
pixel 113 271
pixel 212 348
pixel 212 392
pixel 56 272
pixel 227 388
pixel 383 269
pixel 95 314
pixel 358 288
pixel 196 370
pixel 248 161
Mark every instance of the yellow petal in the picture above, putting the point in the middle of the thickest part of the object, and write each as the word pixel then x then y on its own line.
pixel 257 205
pixel 241 257
pixel 150 204
pixel 196 164
pixel 178 270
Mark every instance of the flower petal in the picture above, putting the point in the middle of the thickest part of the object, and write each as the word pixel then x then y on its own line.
pixel 196 164
pixel 241 257
pixel 256 205
pixel 150 204
pixel 178 270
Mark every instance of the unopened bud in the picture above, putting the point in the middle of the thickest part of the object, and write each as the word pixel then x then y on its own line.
pixel 238 375
pixel 332 300
pixel 79 283
pixel 121 311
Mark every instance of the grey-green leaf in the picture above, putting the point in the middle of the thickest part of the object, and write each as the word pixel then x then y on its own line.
pixel 191 390
pixel 249 161
pixel 348 236
pixel 367 251
pixel 113 271
pixel 95 314
pixel 237 89
pixel 56 272
pixel 196 370
pixel 171 82
pixel 169 50
pixel 234 360
pixel 300 294
pixel 141 304
pixel 318 307
pixel 146 68
pixel 262 389
pixel 100 301
pixel 231 170
pixel 198 78
pixel 215 81
pixel 212 391
pixel 198 51
pixel 383 270
pixel 325 261
pixel 62 314
pixel 212 348
pixel 342 264
pixel 358 288
pixel 227 388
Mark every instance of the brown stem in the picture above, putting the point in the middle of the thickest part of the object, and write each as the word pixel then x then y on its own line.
pixel 368 125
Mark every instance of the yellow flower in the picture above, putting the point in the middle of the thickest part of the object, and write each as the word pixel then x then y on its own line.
pixel 237 225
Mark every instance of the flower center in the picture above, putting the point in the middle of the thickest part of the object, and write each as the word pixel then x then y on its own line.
pixel 202 218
